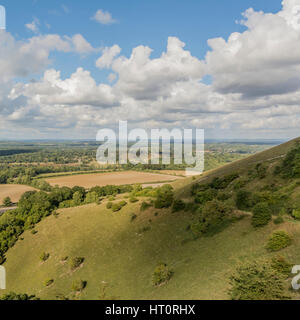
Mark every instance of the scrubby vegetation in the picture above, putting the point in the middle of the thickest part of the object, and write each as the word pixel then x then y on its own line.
pixel 162 274
pixel 78 285
pixel 44 256
pixel 20 297
pixel 282 266
pixel 76 262
pixel 7 202
pixel 212 218
pixel 278 240
pixel 257 281
pixel 261 215
pixel 48 282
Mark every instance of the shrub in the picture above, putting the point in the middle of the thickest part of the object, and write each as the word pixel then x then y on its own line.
pixel 91 197
pixel 7 202
pixel 77 198
pixel 278 220
pixel 165 196
pixel 243 200
pixel 76 262
pixel 257 281
pixel 204 196
pixel 162 274
pixel 214 216
pixel 48 282
pixel 281 265
pixel 122 203
pixel 133 200
pixel 78 285
pixel 18 297
pixel 145 206
pixel 223 196
pixel 144 229
pixel 191 207
pixel 178 205
pixel 116 207
pixel 278 240
pixel 261 215
pixel 296 214
pixel 133 217
pixel 44 256
pixel 223 183
pixel 261 171
pixel 109 205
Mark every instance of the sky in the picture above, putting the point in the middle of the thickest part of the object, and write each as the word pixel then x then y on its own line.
pixel 69 68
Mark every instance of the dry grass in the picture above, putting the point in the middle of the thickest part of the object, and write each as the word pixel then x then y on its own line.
pixel 112 178
pixel 14 191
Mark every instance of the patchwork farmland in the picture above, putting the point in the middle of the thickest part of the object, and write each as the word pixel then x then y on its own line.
pixel 14 191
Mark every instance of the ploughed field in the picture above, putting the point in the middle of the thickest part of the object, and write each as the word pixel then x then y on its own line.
pixel 14 191
pixel 111 178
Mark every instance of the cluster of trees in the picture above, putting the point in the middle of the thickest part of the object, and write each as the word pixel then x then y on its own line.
pixel 264 202
pixel 290 167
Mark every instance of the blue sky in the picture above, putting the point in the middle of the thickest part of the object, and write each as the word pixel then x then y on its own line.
pixel 69 68
pixel 146 22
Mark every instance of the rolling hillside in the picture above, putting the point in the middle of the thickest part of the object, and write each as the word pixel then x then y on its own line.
pixel 121 250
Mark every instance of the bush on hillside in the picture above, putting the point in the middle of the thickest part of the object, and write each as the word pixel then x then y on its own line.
pixel 223 183
pixel 261 215
pixel 145 206
pixel 109 205
pixel 243 200
pixel 257 281
pixel 165 197
pixel 178 205
pixel 78 285
pixel 18 297
pixel 278 220
pixel 162 274
pixel 281 265
pixel 76 262
pixel 204 196
pixel 133 217
pixel 278 240
pixel 290 166
pixel 44 256
pixel 7 202
pixel 48 282
pixel 296 214
pixel 261 171
pixel 214 216
pixel 77 198
pixel 91 197
pixel 133 199
pixel 118 206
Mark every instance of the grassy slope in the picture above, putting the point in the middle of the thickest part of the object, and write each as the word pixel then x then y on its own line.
pixel 118 254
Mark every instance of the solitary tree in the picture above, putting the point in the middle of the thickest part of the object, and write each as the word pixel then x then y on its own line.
pixel 7 202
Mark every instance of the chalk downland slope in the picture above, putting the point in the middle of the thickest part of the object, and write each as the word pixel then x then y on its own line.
pixel 121 250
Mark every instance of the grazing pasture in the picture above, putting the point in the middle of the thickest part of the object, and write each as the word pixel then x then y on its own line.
pixel 14 191
pixel 111 178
